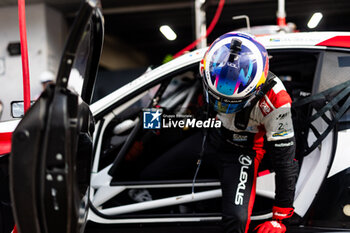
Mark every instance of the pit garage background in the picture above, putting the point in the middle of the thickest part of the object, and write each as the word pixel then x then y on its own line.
pixel 133 41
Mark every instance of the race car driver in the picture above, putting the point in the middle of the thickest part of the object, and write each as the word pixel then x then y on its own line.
pixel 254 109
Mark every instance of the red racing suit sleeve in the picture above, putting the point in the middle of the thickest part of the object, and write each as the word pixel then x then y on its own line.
pixel 280 144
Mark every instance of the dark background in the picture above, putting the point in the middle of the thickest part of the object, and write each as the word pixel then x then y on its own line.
pixel 136 22
pixel 133 41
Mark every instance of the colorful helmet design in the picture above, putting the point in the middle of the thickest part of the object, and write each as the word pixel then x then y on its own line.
pixel 232 69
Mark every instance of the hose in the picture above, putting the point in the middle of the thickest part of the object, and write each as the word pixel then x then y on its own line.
pixel 209 30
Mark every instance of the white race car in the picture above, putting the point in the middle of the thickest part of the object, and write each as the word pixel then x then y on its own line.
pixel 73 163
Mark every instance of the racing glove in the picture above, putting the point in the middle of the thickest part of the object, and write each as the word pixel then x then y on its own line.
pixel 276 225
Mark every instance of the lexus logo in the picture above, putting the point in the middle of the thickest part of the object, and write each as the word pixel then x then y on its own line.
pixel 245 160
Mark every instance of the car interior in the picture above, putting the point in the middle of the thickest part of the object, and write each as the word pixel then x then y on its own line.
pixel 130 148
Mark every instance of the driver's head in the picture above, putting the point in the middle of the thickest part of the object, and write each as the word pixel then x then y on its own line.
pixel 232 70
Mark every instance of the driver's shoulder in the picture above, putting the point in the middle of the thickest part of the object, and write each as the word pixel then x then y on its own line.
pixel 274 99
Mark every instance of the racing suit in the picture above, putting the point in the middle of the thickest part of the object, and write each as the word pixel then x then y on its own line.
pixel 237 153
pixel 269 118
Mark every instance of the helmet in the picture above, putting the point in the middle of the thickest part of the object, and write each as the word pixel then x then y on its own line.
pixel 233 69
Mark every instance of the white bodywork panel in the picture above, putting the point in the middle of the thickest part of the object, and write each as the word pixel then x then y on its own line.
pixel 298 40
pixel 8 126
pixel 341 159
pixel 265 187
pixel 93 217
pixel 313 170
pixel 306 40
pixel 146 78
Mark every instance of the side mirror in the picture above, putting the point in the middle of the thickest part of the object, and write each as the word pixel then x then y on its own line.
pixel 17 108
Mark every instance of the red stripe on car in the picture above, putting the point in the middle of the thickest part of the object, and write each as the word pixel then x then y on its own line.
pixel 337 41
pixel 5 143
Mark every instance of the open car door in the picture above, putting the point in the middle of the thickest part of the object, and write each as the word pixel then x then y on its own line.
pixel 52 145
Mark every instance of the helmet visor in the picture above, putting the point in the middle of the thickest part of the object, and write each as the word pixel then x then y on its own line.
pixel 231 78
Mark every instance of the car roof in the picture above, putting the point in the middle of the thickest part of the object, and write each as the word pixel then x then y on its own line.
pixel 306 39
pixel 310 40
